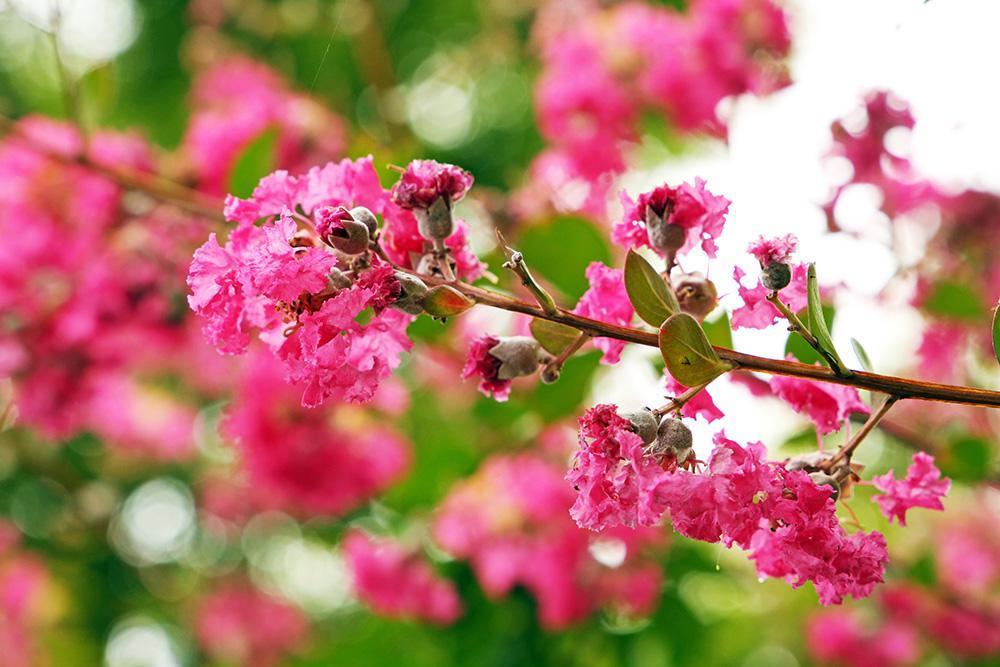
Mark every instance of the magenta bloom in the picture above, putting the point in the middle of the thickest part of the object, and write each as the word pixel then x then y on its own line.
pixel 510 521
pixel 698 212
pixel 827 405
pixel 702 403
pixel 769 251
pixel 239 624
pixel 606 301
pixel 301 461
pixel 399 584
pixel 402 241
pixel 424 181
pixel 612 476
pixel 842 637
pixel 480 363
pixel 756 311
pixel 923 486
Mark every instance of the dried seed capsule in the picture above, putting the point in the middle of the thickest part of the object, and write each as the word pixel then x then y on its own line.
pixel 518 356
pixel 435 223
pixel 696 294
pixel 672 437
pixel 644 422
pixel 776 276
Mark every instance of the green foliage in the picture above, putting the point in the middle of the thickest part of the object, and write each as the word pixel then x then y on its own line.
pixel 817 323
pixel 958 301
pixel 686 351
pixel 653 301
pixel 553 337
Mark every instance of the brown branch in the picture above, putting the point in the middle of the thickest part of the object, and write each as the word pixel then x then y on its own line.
pixel 845 452
pixel 886 384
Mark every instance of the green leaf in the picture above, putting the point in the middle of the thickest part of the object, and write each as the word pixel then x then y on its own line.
pixel 552 336
pixel 862 356
pixel 647 290
pixel 817 322
pixel 955 300
pixel 258 159
pixel 686 351
pixel 445 301
pixel 719 331
pixel 996 332
pixel 796 345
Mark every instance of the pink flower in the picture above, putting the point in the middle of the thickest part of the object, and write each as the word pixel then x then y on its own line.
pixel 756 311
pixel 606 301
pixel 510 521
pixel 612 476
pixel 841 637
pixel 399 584
pixel 237 623
pixel 702 403
pixel 480 363
pixel 700 214
pixel 303 461
pixel 774 250
pixel 923 486
pixel 942 344
pixel 405 246
pixel 827 405
pixel 424 181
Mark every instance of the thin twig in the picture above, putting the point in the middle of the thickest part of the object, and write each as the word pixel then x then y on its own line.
pixel 796 325
pixel 845 452
pixel 679 401
pixel 515 262
pixel 556 364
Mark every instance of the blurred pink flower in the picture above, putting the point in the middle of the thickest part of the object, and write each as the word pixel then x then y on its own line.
pixel 923 486
pixel 607 301
pixel 827 405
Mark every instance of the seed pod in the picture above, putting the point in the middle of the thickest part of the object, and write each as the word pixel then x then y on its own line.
pixel 518 356
pixel 821 479
pixel 413 289
pixel 550 374
pixel 683 455
pixel 644 422
pixel 776 276
pixel 696 295
pixel 363 215
pixel 435 223
pixel 663 235
pixel 672 437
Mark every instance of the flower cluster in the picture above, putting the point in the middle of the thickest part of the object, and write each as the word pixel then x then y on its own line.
pixel 603 66
pixel 785 521
pixel 300 460
pixel 510 521
pixel 223 125
pixel 239 624
pixel 397 583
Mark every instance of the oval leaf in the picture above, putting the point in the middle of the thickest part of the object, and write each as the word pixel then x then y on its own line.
pixel 445 301
pixel 688 354
pixel 552 336
pixel 817 322
pixel 652 299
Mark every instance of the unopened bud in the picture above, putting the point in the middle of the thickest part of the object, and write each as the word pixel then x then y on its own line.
pixel 663 235
pixel 643 422
pixel 518 356
pixel 776 276
pixel 808 462
pixel 413 290
pixel 435 223
pixel 696 295
pixel 672 437
pixel 365 216
pixel 822 479
pixel 550 373
pixel 338 228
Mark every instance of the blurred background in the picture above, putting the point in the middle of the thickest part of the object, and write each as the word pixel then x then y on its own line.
pixel 137 528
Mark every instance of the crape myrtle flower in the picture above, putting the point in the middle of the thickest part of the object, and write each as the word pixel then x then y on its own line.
pixel 673 220
pixel 773 255
pixel 429 189
pixel 827 405
pixel 923 486
pixel 509 520
pixel 757 312
pixel 785 521
pixel 397 582
pixel 496 361
pixel 607 301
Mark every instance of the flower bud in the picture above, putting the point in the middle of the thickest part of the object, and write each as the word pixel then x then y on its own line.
pixel 364 215
pixel 338 228
pixel 435 223
pixel 672 438
pixel 550 374
pixel 696 295
pixel 776 276
pixel 413 289
pixel 808 462
pixel 663 235
pixel 821 479
pixel 643 422
pixel 518 356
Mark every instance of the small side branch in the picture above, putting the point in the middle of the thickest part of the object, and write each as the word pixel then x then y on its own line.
pixel 515 262
pixel 677 402
pixel 845 452
pixel 797 326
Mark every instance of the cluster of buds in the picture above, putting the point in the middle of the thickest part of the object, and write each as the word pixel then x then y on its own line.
pixel 667 440
pixel 773 255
